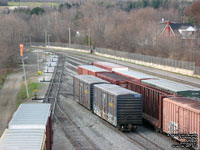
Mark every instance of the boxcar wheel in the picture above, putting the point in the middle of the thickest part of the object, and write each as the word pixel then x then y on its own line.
pixel 134 128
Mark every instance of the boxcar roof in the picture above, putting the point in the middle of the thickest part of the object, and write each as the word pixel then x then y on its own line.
pixel 93 68
pixel 90 79
pixel 110 64
pixel 30 116
pixel 113 76
pixel 135 74
pixel 115 89
pixel 170 85
pixel 188 103
pixel 18 139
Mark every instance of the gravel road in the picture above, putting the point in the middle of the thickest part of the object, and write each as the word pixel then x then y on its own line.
pixel 8 95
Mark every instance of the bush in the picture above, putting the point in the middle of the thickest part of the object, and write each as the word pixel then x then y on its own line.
pixel 37 11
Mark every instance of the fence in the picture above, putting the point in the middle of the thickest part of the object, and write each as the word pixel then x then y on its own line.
pixel 151 60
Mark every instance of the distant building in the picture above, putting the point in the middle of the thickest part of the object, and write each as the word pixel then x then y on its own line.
pixel 186 31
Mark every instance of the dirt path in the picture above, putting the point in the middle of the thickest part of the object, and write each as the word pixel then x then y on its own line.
pixel 8 96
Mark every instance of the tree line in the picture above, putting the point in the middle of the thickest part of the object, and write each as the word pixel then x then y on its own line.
pixel 107 23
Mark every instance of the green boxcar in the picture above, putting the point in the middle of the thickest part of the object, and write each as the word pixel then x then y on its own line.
pixel 174 87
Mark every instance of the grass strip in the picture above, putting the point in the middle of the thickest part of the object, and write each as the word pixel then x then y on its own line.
pixel 21 97
pixel 2 81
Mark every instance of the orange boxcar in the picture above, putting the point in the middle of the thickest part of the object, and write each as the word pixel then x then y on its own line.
pixel 181 116
pixel 90 70
pixel 109 66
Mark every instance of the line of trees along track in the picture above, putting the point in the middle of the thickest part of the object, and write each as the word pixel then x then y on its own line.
pixel 110 24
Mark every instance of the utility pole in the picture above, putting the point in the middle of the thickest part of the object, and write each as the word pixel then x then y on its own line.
pixel 89 42
pixel 25 78
pixel 45 37
pixel 30 38
pixel 38 61
pixel 21 52
pixel 48 40
pixel 22 38
pixel 69 36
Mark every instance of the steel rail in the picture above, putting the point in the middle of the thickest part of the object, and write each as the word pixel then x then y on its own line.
pixel 78 139
pixel 58 88
pixel 90 58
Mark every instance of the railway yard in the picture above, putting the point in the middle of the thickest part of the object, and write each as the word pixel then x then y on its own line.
pixel 75 127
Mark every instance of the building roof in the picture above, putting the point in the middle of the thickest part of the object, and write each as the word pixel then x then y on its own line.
pixel 176 26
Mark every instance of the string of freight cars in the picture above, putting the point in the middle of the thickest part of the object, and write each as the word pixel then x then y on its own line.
pixel 155 72
pixel 31 125
pixel 161 98
pixel 119 106
pixel 29 128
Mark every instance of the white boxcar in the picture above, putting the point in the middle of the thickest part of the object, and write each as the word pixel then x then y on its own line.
pixel 34 116
pixel 31 116
pixel 23 139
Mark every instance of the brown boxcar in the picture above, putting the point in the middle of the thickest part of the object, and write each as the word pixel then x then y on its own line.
pixel 152 102
pixel 181 116
pixel 109 66
pixel 114 78
pixel 135 75
pixel 89 70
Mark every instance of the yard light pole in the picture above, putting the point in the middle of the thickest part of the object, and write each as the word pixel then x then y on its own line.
pixel 45 36
pixel 21 52
pixel 89 42
pixel 48 39
pixel 69 36
pixel 30 38
pixel 38 61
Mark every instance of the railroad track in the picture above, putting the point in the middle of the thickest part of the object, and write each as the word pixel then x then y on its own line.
pixel 82 58
pixel 143 142
pixel 135 137
pixel 78 139
pixel 53 89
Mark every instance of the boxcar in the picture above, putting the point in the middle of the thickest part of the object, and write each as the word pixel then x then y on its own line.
pixel 109 66
pixel 34 117
pixel 23 139
pixel 135 75
pixel 181 116
pixel 173 87
pixel 119 106
pixel 152 102
pixel 114 78
pixel 83 89
pixel 89 70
